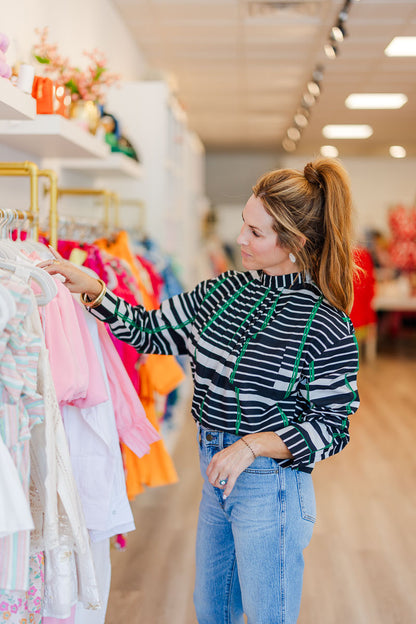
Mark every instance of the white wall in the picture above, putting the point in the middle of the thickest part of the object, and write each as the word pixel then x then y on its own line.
pixel 377 184
pixel 74 26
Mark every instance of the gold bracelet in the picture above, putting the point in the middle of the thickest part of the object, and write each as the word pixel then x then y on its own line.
pixel 95 302
pixel 248 445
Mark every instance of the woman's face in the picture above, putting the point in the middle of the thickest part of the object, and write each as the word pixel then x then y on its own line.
pixel 260 249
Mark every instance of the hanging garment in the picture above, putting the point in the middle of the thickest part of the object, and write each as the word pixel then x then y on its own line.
pixel 18 607
pixel 96 458
pixel 20 410
pixel 157 467
pixel 14 504
pixel 56 508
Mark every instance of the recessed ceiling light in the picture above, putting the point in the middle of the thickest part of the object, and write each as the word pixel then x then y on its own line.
pixel 375 100
pixel 347 131
pixel 401 46
pixel 329 151
pixel 397 151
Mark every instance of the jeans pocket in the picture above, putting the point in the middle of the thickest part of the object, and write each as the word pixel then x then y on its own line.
pixel 306 495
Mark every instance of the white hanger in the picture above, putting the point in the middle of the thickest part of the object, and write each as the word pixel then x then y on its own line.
pixel 25 270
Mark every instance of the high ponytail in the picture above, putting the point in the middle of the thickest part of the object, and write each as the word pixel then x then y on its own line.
pixel 312 218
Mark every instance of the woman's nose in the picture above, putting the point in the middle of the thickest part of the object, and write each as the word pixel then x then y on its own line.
pixel 241 238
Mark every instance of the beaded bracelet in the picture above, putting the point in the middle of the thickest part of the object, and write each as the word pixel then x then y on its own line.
pixel 248 446
pixel 95 302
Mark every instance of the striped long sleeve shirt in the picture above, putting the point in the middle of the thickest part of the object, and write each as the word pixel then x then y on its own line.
pixel 267 353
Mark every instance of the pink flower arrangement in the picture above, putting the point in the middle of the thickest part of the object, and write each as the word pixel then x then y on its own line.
pixel 89 84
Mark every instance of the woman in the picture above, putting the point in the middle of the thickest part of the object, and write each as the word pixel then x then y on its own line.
pixel 274 362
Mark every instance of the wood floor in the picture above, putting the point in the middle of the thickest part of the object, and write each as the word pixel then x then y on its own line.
pixel 361 563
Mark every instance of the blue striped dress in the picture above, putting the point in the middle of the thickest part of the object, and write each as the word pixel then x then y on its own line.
pixel 267 353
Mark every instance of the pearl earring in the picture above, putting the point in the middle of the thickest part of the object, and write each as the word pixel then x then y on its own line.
pixel 292 257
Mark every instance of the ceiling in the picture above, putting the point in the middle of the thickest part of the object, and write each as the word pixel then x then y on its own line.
pixel 240 68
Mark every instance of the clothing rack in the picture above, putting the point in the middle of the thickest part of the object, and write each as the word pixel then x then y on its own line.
pixel 81 229
pixel 141 205
pixel 111 199
pixel 30 169
pixel 9 217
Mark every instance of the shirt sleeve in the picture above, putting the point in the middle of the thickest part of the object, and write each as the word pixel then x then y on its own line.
pixel 330 395
pixel 164 331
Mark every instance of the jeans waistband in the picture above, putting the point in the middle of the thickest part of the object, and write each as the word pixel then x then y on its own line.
pixel 212 437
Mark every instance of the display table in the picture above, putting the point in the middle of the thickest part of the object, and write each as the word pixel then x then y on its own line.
pixel 394 297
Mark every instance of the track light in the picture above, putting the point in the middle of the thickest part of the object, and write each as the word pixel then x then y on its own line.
pixel 293 134
pixel 330 50
pixel 308 100
pixel 338 32
pixel 313 88
pixel 288 145
pixel 300 120
pixel 318 73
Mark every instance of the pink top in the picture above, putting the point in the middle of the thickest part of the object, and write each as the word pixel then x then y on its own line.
pixel 72 357
pixel 134 429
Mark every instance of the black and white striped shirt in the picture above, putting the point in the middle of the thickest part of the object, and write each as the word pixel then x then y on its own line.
pixel 267 353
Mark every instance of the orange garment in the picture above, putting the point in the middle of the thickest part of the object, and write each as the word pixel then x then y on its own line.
pixel 120 248
pixel 156 468
pixel 158 373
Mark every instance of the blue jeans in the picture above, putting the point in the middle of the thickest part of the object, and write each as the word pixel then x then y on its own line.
pixel 249 547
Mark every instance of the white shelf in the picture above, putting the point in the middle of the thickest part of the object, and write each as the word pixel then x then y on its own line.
pixel 52 136
pixel 14 104
pixel 116 164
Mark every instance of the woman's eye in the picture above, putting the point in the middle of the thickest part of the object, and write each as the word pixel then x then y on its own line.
pixel 255 233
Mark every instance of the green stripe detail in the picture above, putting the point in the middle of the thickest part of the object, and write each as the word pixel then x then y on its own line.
pixel 283 415
pixel 347 383
pixel 312 371
pixel 225 306
pixel 238 421
pixel 245 345
pixel 259 302
pixel 243 350
pixel 163 327
pixel 302 344
pixel 222 309
pixel 341 434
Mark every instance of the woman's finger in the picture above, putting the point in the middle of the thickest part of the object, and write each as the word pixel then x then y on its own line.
pixel 55 252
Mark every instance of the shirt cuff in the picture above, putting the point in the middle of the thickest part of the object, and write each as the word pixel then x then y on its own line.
pixel 295 442
pixel 107 310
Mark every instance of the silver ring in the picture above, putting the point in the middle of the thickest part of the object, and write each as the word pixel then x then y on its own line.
pixel 222 482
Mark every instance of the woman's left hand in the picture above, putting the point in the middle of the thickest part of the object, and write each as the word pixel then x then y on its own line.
pixel 227 465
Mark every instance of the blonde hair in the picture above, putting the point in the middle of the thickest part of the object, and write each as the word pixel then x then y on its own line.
pixel 312 217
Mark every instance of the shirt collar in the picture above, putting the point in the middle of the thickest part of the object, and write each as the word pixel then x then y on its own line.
pixel 277 282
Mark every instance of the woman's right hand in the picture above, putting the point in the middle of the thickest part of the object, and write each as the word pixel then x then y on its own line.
pixel 76 281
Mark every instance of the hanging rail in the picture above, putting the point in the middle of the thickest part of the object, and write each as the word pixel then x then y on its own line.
pixel 141 205
pixel 31 170
pixel 108 196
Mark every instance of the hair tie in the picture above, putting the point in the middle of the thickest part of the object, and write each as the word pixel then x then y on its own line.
pixel 312 175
